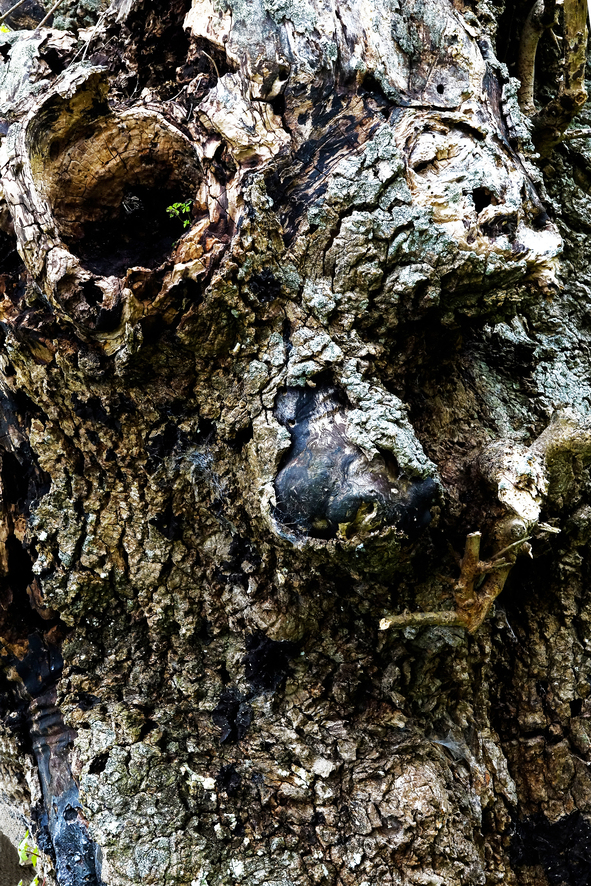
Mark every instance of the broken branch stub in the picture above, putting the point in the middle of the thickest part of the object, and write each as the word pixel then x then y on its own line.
pixel 472 605
pixel 541 17
pixel 524 479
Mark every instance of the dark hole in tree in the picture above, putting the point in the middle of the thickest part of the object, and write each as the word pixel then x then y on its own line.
pixel 540 221
pixel 187 292
pixel 158 51
pixel 267 662
pixel 41 667
pixel 98 764
pixel 440 88
pixel 148 726
pixel 241 438
pixel 92 410
pixel 424 166
pixel 232 714
pixel 207 431
pixel 71 814
pixel 108 319
pixel 482 198
pixel 265 286
pixel 167 523
pixel 228 779
pixel 10 260
pixel 542 688
pixel 562 848
pixel 93 296
pixel 54 60
pixel 223 164
pixel 15 482
pixel 372 87
pixel 138 233
pixel 278 105
pixel 87 701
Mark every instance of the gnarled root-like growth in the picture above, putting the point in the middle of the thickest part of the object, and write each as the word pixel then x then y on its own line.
pixel 542 16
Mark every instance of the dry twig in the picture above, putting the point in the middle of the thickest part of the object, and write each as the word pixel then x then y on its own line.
pixel 472 603
pixel 49 14
pixel 11 10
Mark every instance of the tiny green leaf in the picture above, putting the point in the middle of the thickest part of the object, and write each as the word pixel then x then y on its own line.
pixel 23 849
pixel 182 211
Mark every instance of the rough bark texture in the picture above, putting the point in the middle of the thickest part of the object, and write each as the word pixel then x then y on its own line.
pixel 268 457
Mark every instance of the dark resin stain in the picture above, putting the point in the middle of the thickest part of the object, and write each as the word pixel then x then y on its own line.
pixel 327 484
pixel 77 858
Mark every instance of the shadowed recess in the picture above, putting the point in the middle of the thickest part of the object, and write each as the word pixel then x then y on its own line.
pixel 232 714
pixel 10 870
pixel 267 662
pixel 77 858
pixel 109 178
pixel 228 780
pixel 562 848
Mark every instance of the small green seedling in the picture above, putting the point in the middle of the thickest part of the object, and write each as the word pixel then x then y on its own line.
pixel 28 854
pixel 182 211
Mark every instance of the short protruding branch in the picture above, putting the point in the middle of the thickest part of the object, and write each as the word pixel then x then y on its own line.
pixel 472 604
pixel 11 10
pixel 422 619
pixel 49 14
pixel 523 479
pixel 464 592
pixel 576 133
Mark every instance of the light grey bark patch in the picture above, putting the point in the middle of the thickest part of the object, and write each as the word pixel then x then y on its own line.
pixel 10 870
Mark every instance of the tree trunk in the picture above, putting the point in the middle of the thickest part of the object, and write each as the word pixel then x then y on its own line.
pixel 294 385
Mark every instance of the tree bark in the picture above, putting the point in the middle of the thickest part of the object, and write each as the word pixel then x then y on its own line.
pixel 295 434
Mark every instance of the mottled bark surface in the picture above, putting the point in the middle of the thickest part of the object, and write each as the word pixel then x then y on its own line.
pixel 241 436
